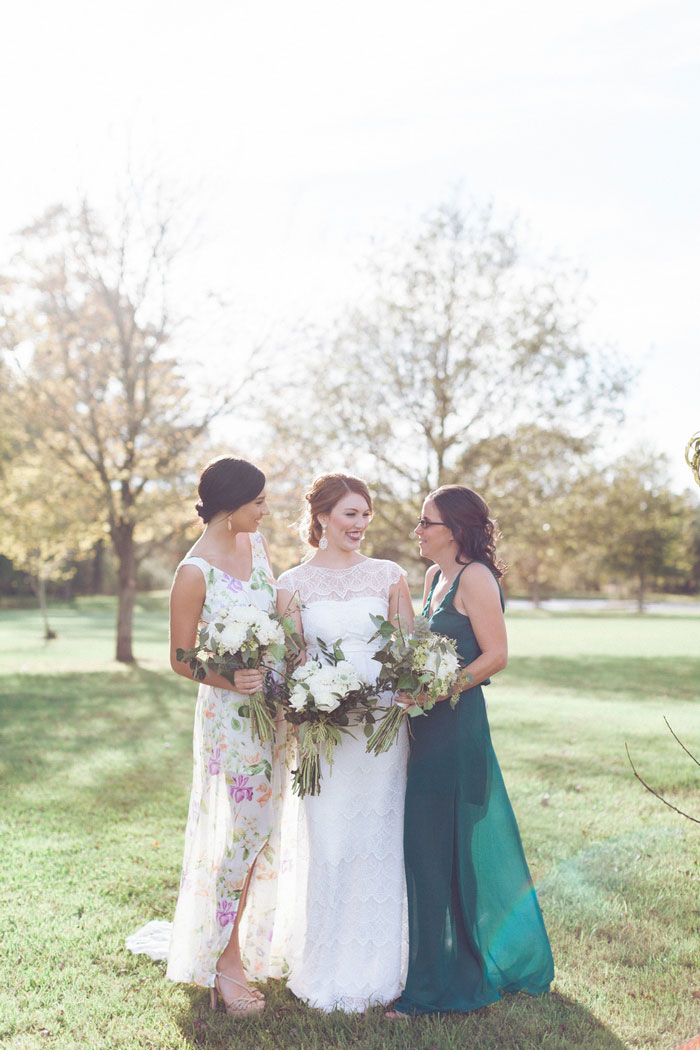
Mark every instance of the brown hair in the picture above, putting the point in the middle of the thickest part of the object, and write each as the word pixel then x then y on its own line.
pixel 227 483
pixel 327 490
pixel 466 515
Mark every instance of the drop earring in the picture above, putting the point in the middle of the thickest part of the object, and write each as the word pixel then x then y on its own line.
pixel 323 542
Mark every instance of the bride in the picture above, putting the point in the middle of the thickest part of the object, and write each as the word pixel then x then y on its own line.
pixel 353 944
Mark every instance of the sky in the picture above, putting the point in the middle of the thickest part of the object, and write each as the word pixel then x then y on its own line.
pixel 306 131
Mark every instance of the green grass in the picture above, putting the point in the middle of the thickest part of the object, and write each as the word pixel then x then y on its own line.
pixel 95 764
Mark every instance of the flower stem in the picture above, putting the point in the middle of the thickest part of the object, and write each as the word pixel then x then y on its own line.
pixel 384 736
pixel 262 725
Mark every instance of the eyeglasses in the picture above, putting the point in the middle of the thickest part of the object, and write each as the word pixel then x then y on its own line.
pixel 423 523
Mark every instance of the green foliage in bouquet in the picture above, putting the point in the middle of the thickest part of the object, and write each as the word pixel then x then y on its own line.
pixel 423 664
pixel 323 701
pixel 208 656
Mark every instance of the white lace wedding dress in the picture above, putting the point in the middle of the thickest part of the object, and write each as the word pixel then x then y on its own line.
pixel 351 911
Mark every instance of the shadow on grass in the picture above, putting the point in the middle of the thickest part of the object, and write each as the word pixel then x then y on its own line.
pixel 551 1022
pixel 108 737
pixel 651 678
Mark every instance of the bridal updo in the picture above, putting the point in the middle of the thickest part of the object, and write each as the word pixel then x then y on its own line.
pixel 466 515
pixel 327 490
pixel 226 484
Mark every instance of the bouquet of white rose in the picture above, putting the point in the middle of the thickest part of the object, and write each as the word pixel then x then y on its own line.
pixel 238 637
pixel 319 699
pixel 423 663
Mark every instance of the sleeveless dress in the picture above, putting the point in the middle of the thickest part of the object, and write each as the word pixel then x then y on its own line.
pixel 233 812
pixel 351 925
pixel 475 927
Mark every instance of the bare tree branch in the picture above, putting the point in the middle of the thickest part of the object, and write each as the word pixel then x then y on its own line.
pixel 656 793
pixel 681 743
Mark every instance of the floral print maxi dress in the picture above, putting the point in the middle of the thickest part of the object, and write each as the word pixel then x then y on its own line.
pixel 233 813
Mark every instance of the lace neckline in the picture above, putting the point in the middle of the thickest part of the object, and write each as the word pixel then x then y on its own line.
pixel 328 568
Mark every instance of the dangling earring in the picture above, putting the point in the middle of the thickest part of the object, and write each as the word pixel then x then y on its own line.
pixel 228 524
pixel 323 542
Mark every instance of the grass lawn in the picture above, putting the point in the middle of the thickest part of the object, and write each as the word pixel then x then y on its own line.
pixel 95 767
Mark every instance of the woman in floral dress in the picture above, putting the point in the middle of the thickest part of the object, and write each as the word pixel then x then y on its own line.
pixel 229 848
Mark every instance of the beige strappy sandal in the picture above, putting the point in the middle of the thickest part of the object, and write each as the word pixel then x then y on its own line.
pixel 396 1015
pixel 244 1006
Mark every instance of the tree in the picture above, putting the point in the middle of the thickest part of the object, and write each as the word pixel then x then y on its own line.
pixel 647 525
pixel 101 389
pixel 535 480
pixel 462 341
pixel 44 529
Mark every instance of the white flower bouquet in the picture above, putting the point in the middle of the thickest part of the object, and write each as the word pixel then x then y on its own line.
pixel 320 699
pixel 422 664
pixel 238 637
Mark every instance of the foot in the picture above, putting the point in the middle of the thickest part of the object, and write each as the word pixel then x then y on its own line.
pixel 236 1005
pixel 235 973
pixel 396 1015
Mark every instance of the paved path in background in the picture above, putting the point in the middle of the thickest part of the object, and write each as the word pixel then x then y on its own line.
pixel 606 605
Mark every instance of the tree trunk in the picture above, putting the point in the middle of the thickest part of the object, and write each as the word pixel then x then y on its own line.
pixel 641 592
pixel 126 595
pixel 535 583
pixel 41 594
pixel 98 568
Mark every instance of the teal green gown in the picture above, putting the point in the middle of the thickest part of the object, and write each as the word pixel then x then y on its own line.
pixel 475 927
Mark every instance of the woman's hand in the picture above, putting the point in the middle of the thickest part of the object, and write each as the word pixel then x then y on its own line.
pixel 407 701
pixel 248 681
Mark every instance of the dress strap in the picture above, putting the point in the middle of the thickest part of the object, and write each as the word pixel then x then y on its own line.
pixel 455 582
pixel 257 550
pixel 201 563
pixel 451 591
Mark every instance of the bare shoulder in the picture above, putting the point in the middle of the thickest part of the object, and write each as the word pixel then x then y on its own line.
pixel 477 583
pixel 430 574
pixel 188 582
pixel 429 578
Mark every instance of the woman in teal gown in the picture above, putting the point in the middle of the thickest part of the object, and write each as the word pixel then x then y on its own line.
pixel 475 927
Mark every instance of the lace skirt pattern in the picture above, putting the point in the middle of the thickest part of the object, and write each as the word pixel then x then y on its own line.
pixel 355 941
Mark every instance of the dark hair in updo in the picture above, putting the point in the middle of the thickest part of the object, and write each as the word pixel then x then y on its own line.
pixel 226 484
pixel 466 514
pixel 327 490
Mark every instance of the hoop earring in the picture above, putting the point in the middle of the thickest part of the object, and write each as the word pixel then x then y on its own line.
pixel 323 542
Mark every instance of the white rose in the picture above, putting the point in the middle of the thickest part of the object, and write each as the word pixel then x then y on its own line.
pixel 297 698
pixel 303 673
pixel 326 701
pixel 431 662
pixel 232 637
pixel 449 665
pixel 269 632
